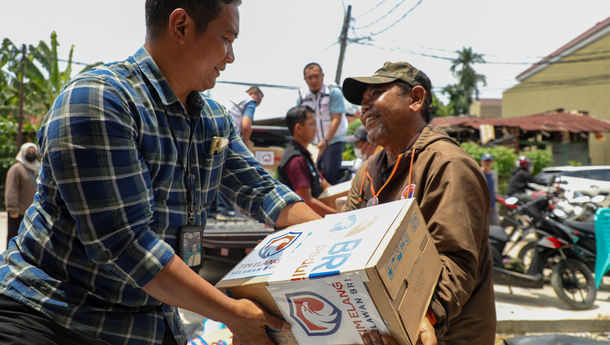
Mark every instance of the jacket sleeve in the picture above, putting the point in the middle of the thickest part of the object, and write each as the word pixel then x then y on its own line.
pixel 353 195
pixel 455 203
pixel 11 191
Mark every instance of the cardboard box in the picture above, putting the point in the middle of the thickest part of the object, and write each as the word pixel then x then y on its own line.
pixel 330 195
pixel 269 157
pixel 334 278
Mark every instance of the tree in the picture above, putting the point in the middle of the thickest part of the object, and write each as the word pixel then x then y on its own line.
pixel 466 90
pixel 43 80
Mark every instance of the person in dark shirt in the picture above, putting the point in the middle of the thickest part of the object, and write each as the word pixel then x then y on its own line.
pixel 520 178
pixel 297 169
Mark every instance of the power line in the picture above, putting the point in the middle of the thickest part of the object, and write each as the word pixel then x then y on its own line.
pixel 289 87
pixel 373 8
pixel 397 21
pixel 382 17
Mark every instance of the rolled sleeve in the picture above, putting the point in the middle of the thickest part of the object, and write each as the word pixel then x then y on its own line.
pixel 245 182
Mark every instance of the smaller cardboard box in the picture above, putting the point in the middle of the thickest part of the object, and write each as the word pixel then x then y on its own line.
pixel 349 273
pixel 332 193
pixel 268 157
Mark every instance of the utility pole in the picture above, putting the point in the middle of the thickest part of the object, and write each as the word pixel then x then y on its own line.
pixel 343 43
pixel 20 118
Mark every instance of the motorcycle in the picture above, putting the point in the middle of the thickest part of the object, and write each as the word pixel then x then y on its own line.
pixel 571 278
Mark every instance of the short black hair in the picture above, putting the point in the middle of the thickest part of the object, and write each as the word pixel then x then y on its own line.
pixel 406 88
pixel 310 65
pixel 157 13
pixel 297 114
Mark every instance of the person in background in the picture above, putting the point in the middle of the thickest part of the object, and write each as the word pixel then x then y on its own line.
pixel 132 158
pixel 296 168
pixel 487 162
pixel 329 108
pixel 243 113
pixel 20 187
pixel 363 148
pixel 421 161
pixel 521 177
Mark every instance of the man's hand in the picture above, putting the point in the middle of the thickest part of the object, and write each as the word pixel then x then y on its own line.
pixel 374 338
pixel 13 215
pixel 322 145
pixel 248 327
pixel 426 333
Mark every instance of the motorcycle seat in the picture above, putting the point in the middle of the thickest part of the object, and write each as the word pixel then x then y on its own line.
pixel 497 233
pixel 582 226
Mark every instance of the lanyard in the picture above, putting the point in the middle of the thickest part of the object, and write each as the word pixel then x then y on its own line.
pixel 374 200
pixel 190 207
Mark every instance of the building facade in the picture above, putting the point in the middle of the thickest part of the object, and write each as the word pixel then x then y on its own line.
pixel 574 78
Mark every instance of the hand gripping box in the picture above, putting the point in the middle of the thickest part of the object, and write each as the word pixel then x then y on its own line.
pixel 334 278
pixel 332 193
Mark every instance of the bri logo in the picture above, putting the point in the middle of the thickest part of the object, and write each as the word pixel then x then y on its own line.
pixel 314 313
pixel 278 244
pixel 344 224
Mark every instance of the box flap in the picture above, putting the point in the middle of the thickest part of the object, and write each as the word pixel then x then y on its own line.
pixel 421 284
pixel 405 247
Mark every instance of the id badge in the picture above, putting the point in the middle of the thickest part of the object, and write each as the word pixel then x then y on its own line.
pixel 189 245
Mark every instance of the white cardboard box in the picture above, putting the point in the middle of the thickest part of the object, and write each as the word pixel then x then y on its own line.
pixel 334 278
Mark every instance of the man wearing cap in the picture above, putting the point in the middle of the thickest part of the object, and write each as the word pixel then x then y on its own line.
pixel 363 148
pixel 421 161
pixel 487 161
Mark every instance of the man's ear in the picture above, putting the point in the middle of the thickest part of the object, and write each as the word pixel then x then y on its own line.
pixel 177 26
pixel 418 96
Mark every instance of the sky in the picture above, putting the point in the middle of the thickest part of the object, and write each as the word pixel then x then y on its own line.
pixel 278 37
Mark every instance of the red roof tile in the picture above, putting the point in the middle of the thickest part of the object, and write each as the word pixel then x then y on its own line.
pixel 550 122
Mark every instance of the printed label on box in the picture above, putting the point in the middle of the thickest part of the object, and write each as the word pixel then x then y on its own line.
pixel 265 157
pixel 268 254
pixel 331 252
pixel 331 310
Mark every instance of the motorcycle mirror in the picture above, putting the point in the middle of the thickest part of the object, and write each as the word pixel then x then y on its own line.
pixel 511 200
pixel 581 199
pixel 559 213
pixel 598 199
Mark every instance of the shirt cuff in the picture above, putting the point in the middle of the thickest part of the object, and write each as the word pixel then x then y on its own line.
pixel 144 258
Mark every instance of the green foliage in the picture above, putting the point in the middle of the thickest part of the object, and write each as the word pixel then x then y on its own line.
pixel 466 90
pixel 540 158
pixel 42 81
pixel 348 150
pixel 505 158
pixel 438 108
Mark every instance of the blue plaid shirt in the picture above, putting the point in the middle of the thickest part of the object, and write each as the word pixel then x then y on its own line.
pixel 112 195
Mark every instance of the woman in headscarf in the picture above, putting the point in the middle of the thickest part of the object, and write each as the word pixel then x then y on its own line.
pixel 20 186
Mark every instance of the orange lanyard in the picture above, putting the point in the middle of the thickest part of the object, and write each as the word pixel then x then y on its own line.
pixel 375 195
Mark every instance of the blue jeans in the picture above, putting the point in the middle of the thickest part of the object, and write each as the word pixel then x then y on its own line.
pixel 330 162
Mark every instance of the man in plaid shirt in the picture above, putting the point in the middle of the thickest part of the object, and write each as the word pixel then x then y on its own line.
pixel 131 153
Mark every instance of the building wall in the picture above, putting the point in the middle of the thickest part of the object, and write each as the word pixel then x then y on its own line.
pixel 487 108
pixel 579 86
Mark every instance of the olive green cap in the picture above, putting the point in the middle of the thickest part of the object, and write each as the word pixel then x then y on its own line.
pixel 353 88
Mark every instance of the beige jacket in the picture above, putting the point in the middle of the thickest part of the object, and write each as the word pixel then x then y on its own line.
pixel 454 199
pixel 19 189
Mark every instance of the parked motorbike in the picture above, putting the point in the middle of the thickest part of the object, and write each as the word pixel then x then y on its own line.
pixel 571 278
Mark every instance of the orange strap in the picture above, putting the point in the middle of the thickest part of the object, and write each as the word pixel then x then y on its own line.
pixel 431 317
pixel 367 175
